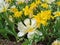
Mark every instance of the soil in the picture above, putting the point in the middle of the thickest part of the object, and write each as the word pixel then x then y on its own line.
pixel 12 40
pixel 6 42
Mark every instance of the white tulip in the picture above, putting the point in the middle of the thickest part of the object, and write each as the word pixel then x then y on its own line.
pixel 31 29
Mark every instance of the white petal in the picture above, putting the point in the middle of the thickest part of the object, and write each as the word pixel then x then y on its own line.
pixel 21 27
pixel 30 35
pixel 38 32
pixel 27 22
pixel 6 5
pixel 33 23
pixel 13 6
pixel 1 1
pixel 43 0
pixel 49 1
pixel 1 7
pixel 20 34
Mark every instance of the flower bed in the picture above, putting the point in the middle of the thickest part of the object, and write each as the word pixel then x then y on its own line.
pixel 33 22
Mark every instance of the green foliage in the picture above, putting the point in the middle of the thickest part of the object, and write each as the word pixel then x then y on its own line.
pixel 49 32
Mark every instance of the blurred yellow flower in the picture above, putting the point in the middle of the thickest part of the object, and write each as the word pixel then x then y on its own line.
pixel 8 1
pixel 58 3
pixel 40 21
pixel 33 6
pixel 37 18
pixel 46 15
pixel 19 3
pixel 42 17
pixel 27 11
pixel 18 14
pixel 38 2
pixel 56 14
pixel 44 5
pixel 4 9
pixel 13 9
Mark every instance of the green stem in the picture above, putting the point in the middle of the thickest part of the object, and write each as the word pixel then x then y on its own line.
pixel 57 8
pixel 50 7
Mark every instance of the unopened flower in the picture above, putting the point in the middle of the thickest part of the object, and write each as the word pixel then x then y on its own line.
pixel 11 18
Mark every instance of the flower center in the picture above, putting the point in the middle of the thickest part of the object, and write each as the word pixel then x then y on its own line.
pixel 30 29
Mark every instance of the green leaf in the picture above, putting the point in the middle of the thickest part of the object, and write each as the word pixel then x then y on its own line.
pixel 57 23
pixel 26 42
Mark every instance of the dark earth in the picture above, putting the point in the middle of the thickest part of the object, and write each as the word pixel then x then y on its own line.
pixel 12 41
pixel 7 42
